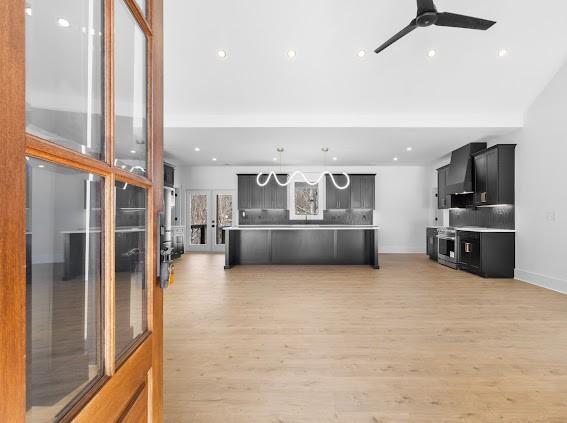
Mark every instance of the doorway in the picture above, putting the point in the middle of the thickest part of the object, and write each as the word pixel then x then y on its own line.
pixel 208 213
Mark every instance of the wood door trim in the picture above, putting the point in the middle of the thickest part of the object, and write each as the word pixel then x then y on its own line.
pixel 45 150
pixel 113 398
pixel 134 404
pixel 139 16
pixel 12 216
pixel 156 78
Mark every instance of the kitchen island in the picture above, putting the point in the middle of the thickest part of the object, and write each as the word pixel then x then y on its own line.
pixel 304 244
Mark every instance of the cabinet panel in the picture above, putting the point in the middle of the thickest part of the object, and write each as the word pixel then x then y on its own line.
pixel 356 182
pixel 281 194
pixel 243 192
pixel 332 195
pixel 443 199
pixel 492 196
pixel 469 251
pixel 368 189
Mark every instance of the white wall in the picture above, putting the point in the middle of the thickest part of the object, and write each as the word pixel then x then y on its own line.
pixel 403 198
pixel 541 182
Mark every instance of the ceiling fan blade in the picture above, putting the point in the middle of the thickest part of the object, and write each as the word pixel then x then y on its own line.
pixel 462 21
pixel 396 37
pixel 425 6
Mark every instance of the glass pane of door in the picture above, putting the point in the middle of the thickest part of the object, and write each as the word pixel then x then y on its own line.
pixel 64 73
pixel 130 87
pixel 198 215
pixel 130 293
pixel 223 216
pixel 63 287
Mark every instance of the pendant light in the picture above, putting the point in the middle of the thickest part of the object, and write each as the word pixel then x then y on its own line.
pixel 299 173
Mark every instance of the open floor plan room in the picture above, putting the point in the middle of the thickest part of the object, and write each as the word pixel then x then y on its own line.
pixel 283 211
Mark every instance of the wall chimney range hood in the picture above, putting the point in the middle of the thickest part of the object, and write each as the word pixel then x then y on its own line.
pixel 460 179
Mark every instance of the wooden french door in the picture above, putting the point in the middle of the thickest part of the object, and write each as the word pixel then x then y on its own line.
pixel 81 184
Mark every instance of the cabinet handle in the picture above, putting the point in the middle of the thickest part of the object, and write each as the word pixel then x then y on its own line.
pixel 483 197
pixel 468 248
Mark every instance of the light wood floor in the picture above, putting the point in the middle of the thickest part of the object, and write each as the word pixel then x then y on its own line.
pixel 412 342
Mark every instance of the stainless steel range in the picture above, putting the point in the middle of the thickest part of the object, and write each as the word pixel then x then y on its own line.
pixel 446 244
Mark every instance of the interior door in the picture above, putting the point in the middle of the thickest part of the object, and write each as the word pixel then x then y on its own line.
pixel 82 151
pixel 199 218
pixel 223 217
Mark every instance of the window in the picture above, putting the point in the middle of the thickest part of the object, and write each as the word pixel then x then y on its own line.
pixel 64 73
pixel 64 286
pixel 130 74
pixel 130 265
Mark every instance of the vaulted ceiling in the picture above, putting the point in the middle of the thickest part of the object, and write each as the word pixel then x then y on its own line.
pixel 327 84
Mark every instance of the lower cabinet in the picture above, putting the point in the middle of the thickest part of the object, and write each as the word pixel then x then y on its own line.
pixel 488 254
pixel 431 240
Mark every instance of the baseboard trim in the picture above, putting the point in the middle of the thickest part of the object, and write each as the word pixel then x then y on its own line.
pixel 554 284
pixel 393 249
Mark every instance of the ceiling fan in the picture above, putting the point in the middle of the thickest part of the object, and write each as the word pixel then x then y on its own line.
pixel 428 15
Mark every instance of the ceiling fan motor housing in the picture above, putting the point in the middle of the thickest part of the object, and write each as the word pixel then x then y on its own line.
pixel 426 19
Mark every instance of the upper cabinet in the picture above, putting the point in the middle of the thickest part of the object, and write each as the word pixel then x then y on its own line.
pixel 443 199
pixel 362 191
pixel 358 195
pixel 494 175
pixel 337 199
pixel 253 196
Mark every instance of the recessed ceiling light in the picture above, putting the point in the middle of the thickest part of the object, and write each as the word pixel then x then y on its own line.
pixel 133 151
pixel 64 23
pixel 214 159
pixel 28 11
pixel 409 148
pixel 291 54
pixel 361 53
pixel 502 52
pixel 41 166
pixel 197 149
pixel 221 54
pixel 395 159
pixel 335 159
pixel 432 53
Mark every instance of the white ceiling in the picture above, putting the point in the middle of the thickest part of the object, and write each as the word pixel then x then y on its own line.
pixel 465 93
pixel 351 146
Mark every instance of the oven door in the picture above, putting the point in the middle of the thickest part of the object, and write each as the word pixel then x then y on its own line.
pixel 446 248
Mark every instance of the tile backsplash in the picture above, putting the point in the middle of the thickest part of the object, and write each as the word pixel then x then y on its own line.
pixel 501 217
pixel 281 217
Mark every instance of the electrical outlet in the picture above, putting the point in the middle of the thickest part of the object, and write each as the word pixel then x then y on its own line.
pixel 551 216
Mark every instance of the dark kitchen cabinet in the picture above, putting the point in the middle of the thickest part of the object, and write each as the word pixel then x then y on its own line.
pixel 338 199
pixel 244 186
pixel 431 239
pixel 443 199
pixel 168 175
pixel 362 189
pixel 488 254
pixel 253 196
pixel 494 175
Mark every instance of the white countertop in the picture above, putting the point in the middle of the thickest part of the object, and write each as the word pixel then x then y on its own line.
pixel 478 229
pixel 302 227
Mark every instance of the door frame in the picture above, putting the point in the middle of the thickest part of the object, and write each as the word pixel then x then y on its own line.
pixel 208 232
pixel 211 245
pixel 119 390
pixel 219 248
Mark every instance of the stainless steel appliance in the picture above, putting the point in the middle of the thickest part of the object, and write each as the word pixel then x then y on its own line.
pixel 446 247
